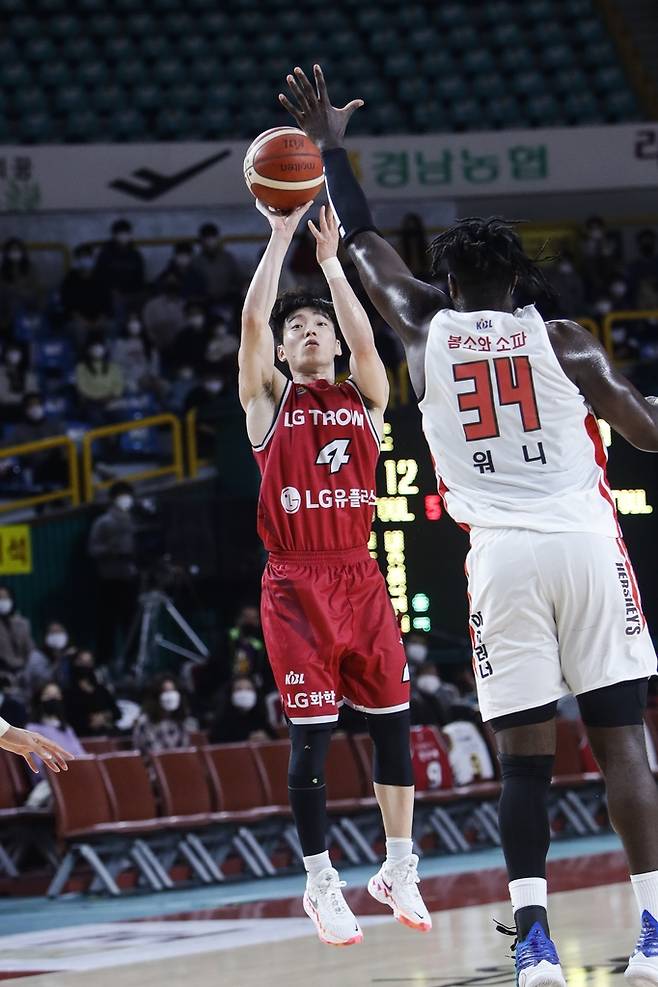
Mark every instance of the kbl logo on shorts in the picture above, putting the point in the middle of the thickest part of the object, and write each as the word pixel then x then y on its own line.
pixel 291 500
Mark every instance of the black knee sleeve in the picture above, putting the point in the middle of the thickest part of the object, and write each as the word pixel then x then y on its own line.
pixel 392 754
pixel 308 753
pixel 619 705
pixel 523 813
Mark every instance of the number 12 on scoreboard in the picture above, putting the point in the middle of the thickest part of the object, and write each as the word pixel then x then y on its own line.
pixel 514 385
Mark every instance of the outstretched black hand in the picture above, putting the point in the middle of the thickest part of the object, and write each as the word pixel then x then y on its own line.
pixel 323 123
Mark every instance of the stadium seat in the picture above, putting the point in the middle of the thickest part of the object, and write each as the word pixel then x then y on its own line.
pixel 155 48
pixel 29 99
pixel 489 86
pixel 622 105
pixel 39 49
pixel 93 72
pixel 36 128
pixel 583 107
pixel 69 99
pixel 22 830
pixel 556 56
pixel 478 60
pixel 126 124
pixel 133 72
pixel 505 111
pixel 103 25
pixel 102 745
pixel 543 109
pixel 77 49
pixel 147 97
pixel 107 97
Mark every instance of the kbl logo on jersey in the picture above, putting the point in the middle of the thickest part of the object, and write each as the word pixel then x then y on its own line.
pixel 482 324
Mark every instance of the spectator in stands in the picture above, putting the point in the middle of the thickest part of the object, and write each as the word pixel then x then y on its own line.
pixel 413 246
pixel 19 285
pixel 85 297
pixel 190 282
pixel 643 271
pixel 218 268
pixel 189 344
pixel 303 265
pixel 51 662
pixel 164 313
pixel 416 648
pixel 433 702
pixel 112 546
pixel 98 380
pixel 49 717
pixel 569 289
pixel 12 708
pixel 164 722
pixel 247 654
pixel 601 255
pixel 16 380
pixel 210 402
pixel 120 267
pixel 243 715
pixel 137 359
pixel 48 467
pixel 183 383
pixel 16 643
pixel 222 346
pixel 91 708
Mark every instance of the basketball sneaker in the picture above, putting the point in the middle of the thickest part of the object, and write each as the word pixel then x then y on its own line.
pixel 642 969
pixel 395 885
pixel 537 962
pixel 330 913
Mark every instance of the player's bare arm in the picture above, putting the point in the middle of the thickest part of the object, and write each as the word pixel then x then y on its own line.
pixel 609 392
pixel 260 383
pixel 366 367
pixel 25 743
pixel 406 303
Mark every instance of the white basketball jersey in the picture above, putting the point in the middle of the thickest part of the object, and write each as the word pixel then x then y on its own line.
pixel 513 441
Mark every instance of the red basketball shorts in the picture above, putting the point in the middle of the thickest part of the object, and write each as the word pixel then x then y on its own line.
pixel 331 635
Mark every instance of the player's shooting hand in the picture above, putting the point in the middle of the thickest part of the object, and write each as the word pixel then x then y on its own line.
pixel 283 224
pixel 327 237
pixel 323 123
pixel 29 742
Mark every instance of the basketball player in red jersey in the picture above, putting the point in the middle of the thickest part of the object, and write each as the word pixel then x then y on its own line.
pixel 329 627
pixel 508 407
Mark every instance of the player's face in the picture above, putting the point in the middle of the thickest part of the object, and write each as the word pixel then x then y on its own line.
pixel 309 341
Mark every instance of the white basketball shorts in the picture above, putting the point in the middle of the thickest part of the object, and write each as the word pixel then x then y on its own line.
pixel 552 614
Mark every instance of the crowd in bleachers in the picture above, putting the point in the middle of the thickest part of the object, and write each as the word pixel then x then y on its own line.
pixel 107 345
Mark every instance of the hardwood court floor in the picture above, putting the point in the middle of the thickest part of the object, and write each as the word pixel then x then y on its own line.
pixel 595 929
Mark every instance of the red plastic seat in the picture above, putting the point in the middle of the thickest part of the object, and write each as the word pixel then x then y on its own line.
pixel 100 745
pixel 568 768
pixel 237 783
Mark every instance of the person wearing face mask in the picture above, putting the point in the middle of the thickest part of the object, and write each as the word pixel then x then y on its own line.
pixel 180 267
pixel 415 646
pixel 90 706
pixel 47 468
pixel 85 298
pixel 643 271
pixel 568 286
pixel 180 387
pixel 432 701
pixel 189 345
pixel 247 655
pixel 222 280
pixel 112 546
pixel 98 380
pixel 20 286
pixel 211 401
pixel 16 641
pixel 50 662
pixel 49 718
pixel 164 312
pixel 13 707
pixel 17 379
pixel 242 715
pixel 137 358
pixel 164 723
pixel 120 267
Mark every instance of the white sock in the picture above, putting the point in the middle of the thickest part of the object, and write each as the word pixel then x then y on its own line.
pixel 397 848
pixel 528 891
pixel 645 887
pixel 315 863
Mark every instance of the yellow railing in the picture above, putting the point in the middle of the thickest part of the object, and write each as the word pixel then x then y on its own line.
pixel 590 324
pixel 193 461
pixel 630 316
pixel 71 492
pixel 175 468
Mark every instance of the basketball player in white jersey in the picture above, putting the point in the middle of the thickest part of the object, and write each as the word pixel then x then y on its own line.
pixel 509 406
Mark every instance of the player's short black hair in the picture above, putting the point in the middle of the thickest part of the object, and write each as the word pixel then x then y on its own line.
pixel 487 252
pixel 292 301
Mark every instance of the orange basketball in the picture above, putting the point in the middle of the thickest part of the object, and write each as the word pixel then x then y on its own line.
pixel 283 168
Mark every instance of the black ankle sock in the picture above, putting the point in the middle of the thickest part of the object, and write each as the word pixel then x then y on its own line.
pixel 526 917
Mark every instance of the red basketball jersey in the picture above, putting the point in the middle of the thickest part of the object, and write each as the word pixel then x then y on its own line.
pixel 317 466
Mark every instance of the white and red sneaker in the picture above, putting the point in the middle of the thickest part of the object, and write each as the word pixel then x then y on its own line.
pixel 395 885
pixel 325 906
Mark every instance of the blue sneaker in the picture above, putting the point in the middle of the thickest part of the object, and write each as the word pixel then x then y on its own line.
pixel 537 962
pixel 642 969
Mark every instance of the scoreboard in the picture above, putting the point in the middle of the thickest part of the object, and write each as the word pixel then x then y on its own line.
pixel 421 550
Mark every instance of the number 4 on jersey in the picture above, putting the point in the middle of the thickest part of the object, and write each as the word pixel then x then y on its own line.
pixel 334 455
pixel 514 384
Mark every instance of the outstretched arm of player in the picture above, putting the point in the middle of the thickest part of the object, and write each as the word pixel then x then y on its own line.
pixel 366 367
pixel 257 374
pixel 611 395
pixel 29 742
pixel 406 303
